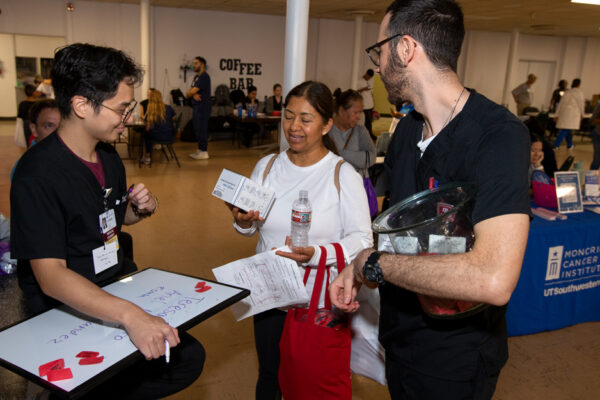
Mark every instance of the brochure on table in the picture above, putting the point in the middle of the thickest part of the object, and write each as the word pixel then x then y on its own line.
pixel 64 334
pixel 568 192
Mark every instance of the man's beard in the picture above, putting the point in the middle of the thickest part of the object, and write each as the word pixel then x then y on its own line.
pixel 395 80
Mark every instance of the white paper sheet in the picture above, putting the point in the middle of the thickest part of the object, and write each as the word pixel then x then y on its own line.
pixel 273 281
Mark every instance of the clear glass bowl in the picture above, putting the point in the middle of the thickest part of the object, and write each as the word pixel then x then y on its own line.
pixel 434 221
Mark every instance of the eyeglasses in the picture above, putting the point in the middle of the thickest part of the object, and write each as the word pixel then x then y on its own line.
pixel 126 112
pixel 374 52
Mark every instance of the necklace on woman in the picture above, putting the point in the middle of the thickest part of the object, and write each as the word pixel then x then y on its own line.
pixel 450 116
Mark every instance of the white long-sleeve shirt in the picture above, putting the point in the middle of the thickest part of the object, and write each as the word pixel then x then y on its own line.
pixel 342 218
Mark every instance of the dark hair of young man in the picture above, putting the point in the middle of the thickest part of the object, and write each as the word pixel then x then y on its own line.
pixel 90 71
pixel 39 106
pixel 202 60
pixel 370 72
pixel 576 82
pixel 275 86
pixel 436 24
pixel 252 89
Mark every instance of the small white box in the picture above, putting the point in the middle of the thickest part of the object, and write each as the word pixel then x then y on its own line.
pixel 244 193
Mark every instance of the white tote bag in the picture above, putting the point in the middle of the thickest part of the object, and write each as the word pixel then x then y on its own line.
pixel 20 134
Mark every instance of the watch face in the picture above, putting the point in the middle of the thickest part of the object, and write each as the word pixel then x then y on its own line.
pixel 370 273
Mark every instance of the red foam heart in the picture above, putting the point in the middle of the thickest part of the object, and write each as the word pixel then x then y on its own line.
pixel 203 289
pixel 87 354
pixel 59 374
pixel 56 364
pixel 91 360
pixel 200 285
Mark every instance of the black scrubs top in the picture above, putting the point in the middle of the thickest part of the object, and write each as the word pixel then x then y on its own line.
pixel 56 202
pixel 485 145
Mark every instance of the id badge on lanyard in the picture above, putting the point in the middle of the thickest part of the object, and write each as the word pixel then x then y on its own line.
pixel 105 256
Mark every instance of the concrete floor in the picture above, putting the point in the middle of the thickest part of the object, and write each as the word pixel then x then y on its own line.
pixel 192 233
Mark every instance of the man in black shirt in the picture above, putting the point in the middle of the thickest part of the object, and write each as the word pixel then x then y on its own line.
pixel 69 199
pixel 453 135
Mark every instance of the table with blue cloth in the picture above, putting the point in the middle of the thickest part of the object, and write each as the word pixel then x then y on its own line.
pixel 559 284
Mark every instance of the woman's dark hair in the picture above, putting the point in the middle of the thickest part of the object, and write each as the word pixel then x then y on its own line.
pixel 92 72
pixel 346 99
pixel 252 89
pixel 576 82
pixel 436 24
pixel 319 97
pixel 275 86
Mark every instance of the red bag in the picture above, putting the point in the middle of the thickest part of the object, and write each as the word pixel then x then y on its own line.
pixel 315 346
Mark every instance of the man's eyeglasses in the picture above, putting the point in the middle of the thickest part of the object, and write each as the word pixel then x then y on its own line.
pixel 374 52
pixel 124 113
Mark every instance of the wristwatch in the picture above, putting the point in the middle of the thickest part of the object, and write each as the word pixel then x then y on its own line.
pixel 371 270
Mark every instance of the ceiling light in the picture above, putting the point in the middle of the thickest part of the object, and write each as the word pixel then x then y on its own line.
pixel 595 2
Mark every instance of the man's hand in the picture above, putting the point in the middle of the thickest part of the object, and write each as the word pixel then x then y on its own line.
pixel 345 287
pixel 197 97
pixel 148 334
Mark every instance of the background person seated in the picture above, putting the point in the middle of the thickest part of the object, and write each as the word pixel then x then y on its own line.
pixel 275 102
pixel 537 155
pixel 159 122
pixel 249 128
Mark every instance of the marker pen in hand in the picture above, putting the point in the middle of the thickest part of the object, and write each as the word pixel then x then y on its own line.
pixel 130 190
pixel 167 351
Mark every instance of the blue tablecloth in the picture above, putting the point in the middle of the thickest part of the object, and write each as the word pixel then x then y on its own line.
pixel 560 279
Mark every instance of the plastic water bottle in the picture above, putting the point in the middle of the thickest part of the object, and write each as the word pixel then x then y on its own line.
pixel 301 216
pixel 239 110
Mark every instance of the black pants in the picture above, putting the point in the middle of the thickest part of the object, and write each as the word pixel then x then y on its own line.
pixel 407 384
pixel 156 379
pixel 268 327
pixel 200 123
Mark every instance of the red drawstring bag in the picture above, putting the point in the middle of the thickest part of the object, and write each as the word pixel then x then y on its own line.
pixel 315 346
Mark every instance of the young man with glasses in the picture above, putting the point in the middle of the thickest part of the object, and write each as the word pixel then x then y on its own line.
pixel 453 135
pixel 69 199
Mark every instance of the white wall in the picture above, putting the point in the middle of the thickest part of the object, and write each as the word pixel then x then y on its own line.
pixel 178 34
pixel 8 78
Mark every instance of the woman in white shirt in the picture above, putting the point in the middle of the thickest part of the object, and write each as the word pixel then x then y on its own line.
pixel 337 216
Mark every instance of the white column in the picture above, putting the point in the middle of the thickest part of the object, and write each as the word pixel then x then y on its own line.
pixel 296 39
pixel 358 24
pixel 145 43
pixel 511 66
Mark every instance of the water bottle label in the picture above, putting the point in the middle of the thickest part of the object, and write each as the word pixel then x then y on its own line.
pixel 302 217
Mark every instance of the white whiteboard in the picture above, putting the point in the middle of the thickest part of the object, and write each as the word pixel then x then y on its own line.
pixel 63 333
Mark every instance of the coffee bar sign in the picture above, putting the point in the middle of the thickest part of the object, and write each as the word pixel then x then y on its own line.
pixel 244 72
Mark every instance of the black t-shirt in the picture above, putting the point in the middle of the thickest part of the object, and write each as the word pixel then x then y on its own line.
pixel 56 202
pixel 484 145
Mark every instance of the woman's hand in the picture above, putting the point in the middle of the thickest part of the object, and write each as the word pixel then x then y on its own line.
pixel 243 219
pixel 299 254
